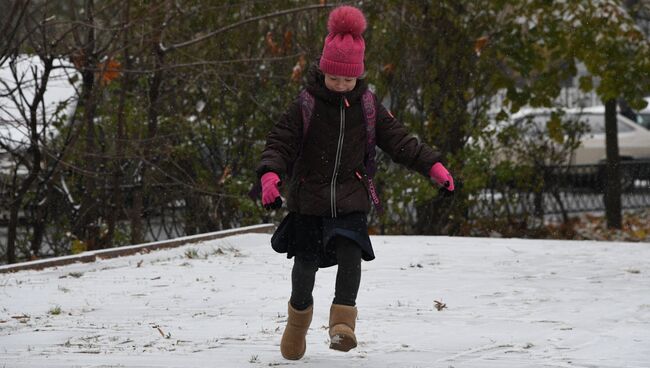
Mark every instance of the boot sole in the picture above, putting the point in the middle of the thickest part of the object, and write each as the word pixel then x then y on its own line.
pixel 295 357
pixel 342 342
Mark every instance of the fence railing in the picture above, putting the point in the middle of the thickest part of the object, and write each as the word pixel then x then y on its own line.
pixel 166 216
pixel 567 190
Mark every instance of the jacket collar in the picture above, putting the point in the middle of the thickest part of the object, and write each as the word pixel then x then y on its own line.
pixel 316 86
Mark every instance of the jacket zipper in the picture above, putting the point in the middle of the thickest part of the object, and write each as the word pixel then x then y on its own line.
pixel 337 161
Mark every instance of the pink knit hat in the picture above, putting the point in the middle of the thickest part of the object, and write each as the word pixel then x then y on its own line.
pixel 344 47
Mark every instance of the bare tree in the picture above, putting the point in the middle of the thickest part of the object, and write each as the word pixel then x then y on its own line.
pixel 105 164
pixel 28 117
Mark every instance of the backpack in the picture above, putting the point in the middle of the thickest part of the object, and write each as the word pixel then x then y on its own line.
pixel 307 103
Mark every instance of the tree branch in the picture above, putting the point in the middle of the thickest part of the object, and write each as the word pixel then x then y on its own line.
pixel 9 30
pixel 242 22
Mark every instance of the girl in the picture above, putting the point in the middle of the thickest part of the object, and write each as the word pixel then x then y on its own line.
pixel 329 189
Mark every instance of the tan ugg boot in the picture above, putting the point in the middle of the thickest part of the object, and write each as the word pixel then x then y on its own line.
pixel 342 322
pixel 293 344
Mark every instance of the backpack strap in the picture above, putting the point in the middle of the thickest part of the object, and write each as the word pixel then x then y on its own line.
pixel 368 103
pixel 370 116
pixel 307 103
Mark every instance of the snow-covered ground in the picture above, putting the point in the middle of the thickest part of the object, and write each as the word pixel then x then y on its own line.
pixel 510 303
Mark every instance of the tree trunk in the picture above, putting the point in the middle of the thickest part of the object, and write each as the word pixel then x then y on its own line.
pixel 126 87
pixel 38 226
pixel 153 112
pixel 613 169
pixel 135 218
pixel 12 233
pixel 86 227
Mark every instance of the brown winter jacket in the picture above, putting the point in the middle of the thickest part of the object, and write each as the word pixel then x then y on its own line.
pixel 323 180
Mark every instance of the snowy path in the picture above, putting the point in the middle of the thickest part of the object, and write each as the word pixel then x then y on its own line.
pixel 511 303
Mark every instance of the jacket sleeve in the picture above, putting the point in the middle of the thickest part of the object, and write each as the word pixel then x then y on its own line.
pixel 282 142
pixel 402 147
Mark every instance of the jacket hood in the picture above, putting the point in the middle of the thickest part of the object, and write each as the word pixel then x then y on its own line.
pixel 316 86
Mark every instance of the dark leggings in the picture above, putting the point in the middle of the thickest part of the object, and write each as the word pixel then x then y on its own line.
pixel 348 276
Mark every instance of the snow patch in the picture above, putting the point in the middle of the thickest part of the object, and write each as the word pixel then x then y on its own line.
pixel 509 303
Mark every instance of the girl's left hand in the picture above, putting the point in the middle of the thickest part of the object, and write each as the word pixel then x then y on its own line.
pixel 442 176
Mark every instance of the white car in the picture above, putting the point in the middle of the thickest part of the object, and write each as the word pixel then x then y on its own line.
pixel 633 138
pixel 633 142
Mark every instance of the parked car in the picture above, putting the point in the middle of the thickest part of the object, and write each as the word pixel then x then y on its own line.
pixel 633 141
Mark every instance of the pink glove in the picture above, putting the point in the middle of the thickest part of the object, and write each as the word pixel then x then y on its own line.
pixel 270 193
pixel 441 176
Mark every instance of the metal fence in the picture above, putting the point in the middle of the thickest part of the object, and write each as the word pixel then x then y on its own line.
pixel 166 216
pixel 567 190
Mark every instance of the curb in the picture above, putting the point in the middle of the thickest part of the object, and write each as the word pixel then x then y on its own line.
pixel 92 256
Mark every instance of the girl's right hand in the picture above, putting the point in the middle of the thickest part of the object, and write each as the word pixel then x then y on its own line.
pixel 441 175
pixel 270 193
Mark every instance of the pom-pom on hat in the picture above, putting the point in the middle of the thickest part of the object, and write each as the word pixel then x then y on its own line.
pixel 344 46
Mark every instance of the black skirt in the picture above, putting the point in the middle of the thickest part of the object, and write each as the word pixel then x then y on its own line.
pixel 308 237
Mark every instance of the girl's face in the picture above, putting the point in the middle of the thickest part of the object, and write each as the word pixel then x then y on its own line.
pixel 339 84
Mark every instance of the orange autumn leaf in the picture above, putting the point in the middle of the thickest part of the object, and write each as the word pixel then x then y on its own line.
pixel 227 173
pixel 273 46
pixel 480 44
pixel 109 70
pixel 388 68
pixel 288 37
